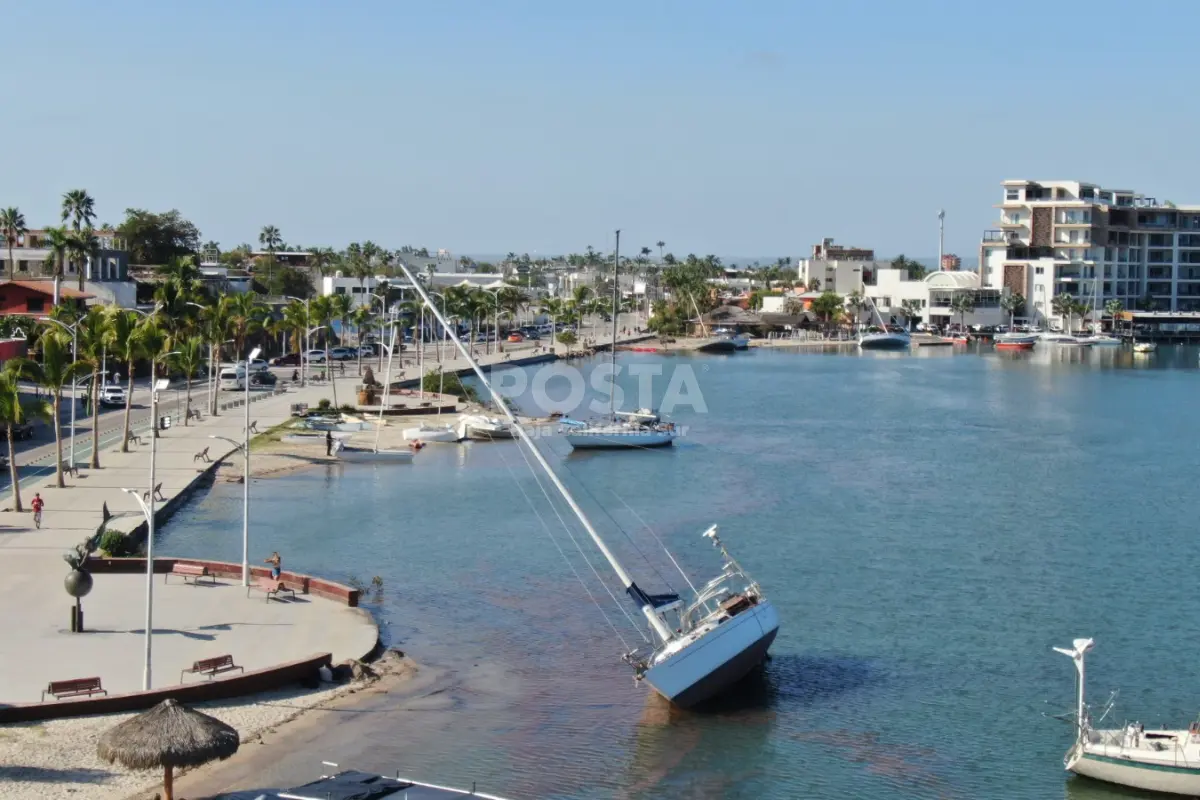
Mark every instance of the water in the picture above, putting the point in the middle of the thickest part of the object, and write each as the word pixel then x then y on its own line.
pixel 928 526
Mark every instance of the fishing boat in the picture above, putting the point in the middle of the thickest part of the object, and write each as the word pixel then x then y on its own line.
pixel 1144 347
pixel 356 785
pixel 1165 760
pixel 1015 341
pixel 701 646
pixel 484 428
pixel 883 339
pixel 376 454
pixel 621 429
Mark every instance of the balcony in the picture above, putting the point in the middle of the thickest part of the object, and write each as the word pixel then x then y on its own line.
pixel 1013 221
pixel 1000 237
pixel 1029 252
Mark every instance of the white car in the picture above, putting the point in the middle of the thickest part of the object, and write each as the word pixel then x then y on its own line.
pixel 112 395
pixel 257 365
pixel 315 356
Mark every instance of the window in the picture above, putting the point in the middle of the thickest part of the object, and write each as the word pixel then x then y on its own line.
pixel 23 265
pixel 1012 194
pixel 1106 197
pixel 340 290
pixel 35 304
pixel 1039 270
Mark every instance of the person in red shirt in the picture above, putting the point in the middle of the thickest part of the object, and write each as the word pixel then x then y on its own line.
pixel 38 504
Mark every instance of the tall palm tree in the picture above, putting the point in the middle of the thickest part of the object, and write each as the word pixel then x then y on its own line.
pixel 13 413
pixel 122 342
pixel 12 228
pixel 189 355
pixel 1114 308
pixel 323 313
pixel 1063 305
pixel 362 318
pixel 55 372
pixel 79 209
pixel 246 315
pixel 343 307
pixel 83 245
pixel 554 308
pixel 93 335
pixel 271 241
pixel 58 242
pixel 215 323
pixel 320 259
pixel 962 305
pixel 660 244
pixel 1012 303
pixel 295 321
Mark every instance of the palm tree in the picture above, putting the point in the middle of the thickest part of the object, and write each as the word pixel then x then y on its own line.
pixel 79 208
pixel 295 319
pixel 554 308
pixel 58 242
pixel 13 413
pixel 93 335
pixel 319 259
pixel 962 304
pixel 362 318
pixel 322 311
pixel 1063 305
pixel 271 241
pixel 1114 308
pixel 83 246
pixel 55 372
pixel 189 355
pixel 215 322
pixel 1080 309
pixel 660 244
pixel 246 315
pixel 1012 303
pixel 342 307
pixel 856 302
pixel 912 310
pixel 12 228
pixel 121 341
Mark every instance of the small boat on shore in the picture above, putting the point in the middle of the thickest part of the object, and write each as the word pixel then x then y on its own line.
pixel 1144 347
pixel 1159 760
pixel 356 785
pixel 427 432
pixel 313 438
pixel 339 423
pixel 368 455
pixel 483 428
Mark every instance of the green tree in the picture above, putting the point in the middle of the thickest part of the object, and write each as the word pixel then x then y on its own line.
pixel 217 329
pixel 362 318
pixel 323 313
pixel 568 338
pixel 271 241
pixel 119 339
pixel 12 228
pixel 962 304
pixel 1063 305
pixel 55 372
pixel 1012 303
pixel 1114 308
pixel 1080 309
pixel 58 242
pixel 912 311
pixel 342 306
pixel 189 355
pixel 14 412
pixel 246 317
pixel 856 302
pixel 157 238
pixel 83 246
pixel 827 306
pixel 93 335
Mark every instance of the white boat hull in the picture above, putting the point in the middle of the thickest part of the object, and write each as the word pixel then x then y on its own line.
pixel 884 341
pixel 433 434
pixel 361 455
pixel 717 660
pixel 1145 347
pixel 616 437
pixel 1166 778
pixel 488 432
pixel 312 438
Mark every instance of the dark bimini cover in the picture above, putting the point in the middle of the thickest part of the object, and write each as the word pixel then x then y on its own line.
pixel 350 785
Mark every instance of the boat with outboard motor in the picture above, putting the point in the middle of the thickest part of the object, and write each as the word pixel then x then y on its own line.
pixel 700 647
pixel 1015 341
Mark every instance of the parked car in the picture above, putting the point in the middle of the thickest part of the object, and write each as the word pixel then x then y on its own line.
pixel 232 379
pixel 290 360
pixel 343 354
pixel 515 337
pixel 263 379
pixel 22 431
pixel 257 365
pixel 315 356
pixel 112 395
pixel 367 350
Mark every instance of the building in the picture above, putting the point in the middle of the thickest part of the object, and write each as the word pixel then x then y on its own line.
pixel 36 298
pixel 362 290
pixel 951 263
pixel 1096 244
pixel 828 251
pixel 32 259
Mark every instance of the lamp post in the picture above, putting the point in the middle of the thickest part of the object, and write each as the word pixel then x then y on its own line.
pixel 307 341
pixel 941 236
pixel 246 481
pixel 74 331
pixel 383 307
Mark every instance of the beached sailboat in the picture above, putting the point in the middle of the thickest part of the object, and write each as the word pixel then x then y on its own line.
pixel 375 454
pixel 485 428
pixel 883 339
pixel 1163 760
pixel 701 646
pixel 621 430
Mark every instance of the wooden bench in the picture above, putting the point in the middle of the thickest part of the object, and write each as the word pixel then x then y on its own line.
pixel 74 688
pixel 133 437
pixel 270 586
pixel 211 667
pixel 202 456
pixel 158 495
pixel 70 469
pixel 193 571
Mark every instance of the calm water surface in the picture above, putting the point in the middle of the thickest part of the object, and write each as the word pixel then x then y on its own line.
pixel 929 526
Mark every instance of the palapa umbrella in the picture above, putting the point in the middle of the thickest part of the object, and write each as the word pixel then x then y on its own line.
pixel 168 736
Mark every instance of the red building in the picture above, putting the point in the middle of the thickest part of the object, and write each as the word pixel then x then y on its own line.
pixel 36 298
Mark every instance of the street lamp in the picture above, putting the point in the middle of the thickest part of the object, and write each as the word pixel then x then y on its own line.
pixel 74 331
pixel 245 448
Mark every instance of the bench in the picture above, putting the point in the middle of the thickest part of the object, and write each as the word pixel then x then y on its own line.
pixel 158 495
pixel 211 667
pixel 133 437
pixel 70 469
pixel 270 586
pixel 193 571
pixel 202 456
pixel 74 688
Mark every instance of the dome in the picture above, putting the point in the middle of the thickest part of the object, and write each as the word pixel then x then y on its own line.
pixel 957 279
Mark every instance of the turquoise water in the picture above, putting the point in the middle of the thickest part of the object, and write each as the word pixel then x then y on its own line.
pixel 929 526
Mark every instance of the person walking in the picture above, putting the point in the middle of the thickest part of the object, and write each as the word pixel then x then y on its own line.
pixel 38 504
pixel 328 443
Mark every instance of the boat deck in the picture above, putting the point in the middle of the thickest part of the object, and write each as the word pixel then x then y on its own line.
pixel 354 785
pixel 1162 748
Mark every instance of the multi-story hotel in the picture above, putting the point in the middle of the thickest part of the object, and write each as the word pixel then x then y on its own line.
pixel 1068 237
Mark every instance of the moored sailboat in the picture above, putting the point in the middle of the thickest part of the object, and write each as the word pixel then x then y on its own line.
pixel 701 647
pixel 883 339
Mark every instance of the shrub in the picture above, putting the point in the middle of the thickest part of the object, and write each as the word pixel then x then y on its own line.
pixel 115 544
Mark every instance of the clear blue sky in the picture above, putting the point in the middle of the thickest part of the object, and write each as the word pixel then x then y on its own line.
pixel 488 126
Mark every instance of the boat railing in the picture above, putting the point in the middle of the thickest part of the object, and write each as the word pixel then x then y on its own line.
pixel 732 581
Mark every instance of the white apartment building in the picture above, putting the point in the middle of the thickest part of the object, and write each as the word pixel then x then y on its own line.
pixel 1070 237
pixel 361 290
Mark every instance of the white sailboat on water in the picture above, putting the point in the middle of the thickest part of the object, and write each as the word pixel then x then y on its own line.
pixel 702 646
pixel 375 454
pixel 639 429
pixel 882 339
pixel 1163 760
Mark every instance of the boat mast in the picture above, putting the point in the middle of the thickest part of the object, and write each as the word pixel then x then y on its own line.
pixel 387 384
pixel 612 404
pixel 660 627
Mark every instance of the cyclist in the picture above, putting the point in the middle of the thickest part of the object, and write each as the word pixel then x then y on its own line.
pixel 38 504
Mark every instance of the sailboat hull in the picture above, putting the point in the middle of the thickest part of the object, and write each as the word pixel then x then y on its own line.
pixel 361 455
pixel 884 341
pixel 720 659
pixel 1162 777
pixel 603 440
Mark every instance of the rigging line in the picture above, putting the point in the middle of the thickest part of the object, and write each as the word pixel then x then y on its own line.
pixel 660 541
pixel 562 553
pixel 617 525
pixel 582 555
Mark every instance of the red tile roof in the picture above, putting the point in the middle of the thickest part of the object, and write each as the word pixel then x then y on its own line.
pixel 47 288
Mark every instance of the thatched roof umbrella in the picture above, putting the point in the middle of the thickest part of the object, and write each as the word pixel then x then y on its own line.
pixel 168 736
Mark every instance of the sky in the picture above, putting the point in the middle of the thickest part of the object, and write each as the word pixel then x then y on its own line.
pixel 496 125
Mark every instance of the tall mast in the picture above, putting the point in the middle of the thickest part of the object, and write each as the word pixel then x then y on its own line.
pixel 612 404
pixel 626 581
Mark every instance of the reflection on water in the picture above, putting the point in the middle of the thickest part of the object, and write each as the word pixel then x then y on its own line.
pixel 927 527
